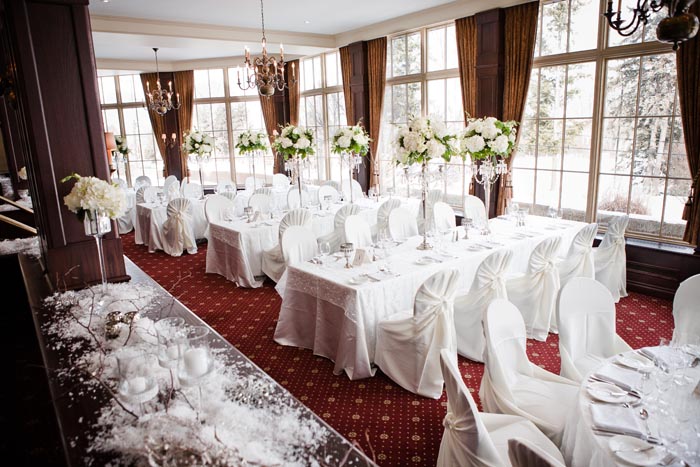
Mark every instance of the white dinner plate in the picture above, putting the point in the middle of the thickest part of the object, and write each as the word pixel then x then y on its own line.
pixel 634 363
pixel 606 392
pixel 635 451
pixel 357 280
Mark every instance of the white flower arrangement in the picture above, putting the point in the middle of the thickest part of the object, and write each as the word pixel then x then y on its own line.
pixel 198 144
pixel 92 194
pixel 249 141
pixel 22 173
pixel 122 147
pixel 294 141
pixel 488 137
pixel 351 139
pixel 423 139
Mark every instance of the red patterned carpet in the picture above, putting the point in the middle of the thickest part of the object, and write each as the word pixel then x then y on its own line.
pixel 403 429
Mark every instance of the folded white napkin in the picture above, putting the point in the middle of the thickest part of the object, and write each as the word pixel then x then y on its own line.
pixel 615 419
pixel 380 275
pixel 622 377
pixel 663 355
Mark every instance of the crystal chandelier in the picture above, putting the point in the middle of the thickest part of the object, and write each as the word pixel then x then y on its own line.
pixel 265 73
pixel 678 26
pixel 161 100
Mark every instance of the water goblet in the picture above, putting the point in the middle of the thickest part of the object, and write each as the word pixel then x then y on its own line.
pixel 325 250
pixel 248 211
pixel 466 225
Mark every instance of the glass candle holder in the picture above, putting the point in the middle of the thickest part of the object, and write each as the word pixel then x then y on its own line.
pixel 171 341
pixel 347 249
pixel 196 360
pixel 137 383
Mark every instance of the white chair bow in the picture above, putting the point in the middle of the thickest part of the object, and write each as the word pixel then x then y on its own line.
pixel 357 231
pixel 579 259
pixel 535 292
pixel 686 317
pixel 512 384
pixel 587 337
pixel 474 209
pixel 178 234
pixel 402 224
pixel 489 284
pixel 273 261
pixel 611 260
pixel 408 347
pixel 337 237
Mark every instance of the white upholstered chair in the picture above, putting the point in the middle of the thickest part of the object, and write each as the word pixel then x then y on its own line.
pixel 169 180
pixel 686 311
pixel 335 238
pixel 611 260
pixel 402 224
pixel 273 261
pixel 298 245
pixel 357 231
pixel 578 261
pixel 142 180
pixel 474 209
pixel 178 234
pixel 443 216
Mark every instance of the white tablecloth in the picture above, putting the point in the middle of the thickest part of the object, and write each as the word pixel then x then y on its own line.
pixel 322 311
pixel 149 221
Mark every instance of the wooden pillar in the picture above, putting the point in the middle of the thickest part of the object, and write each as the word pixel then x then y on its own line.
pixel 490 59
pixel 49 46
pixel 360 101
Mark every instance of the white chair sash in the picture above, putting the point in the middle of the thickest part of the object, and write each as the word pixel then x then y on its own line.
pixel 178 234
pixel 444 217
pixel 686 317
pixel 611 260
pixel 357 231
pixel 337 237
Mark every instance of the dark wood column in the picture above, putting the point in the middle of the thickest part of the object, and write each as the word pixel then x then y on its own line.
pixel 10 134
pixel 49 45
pixel 360 101
pixel 490 57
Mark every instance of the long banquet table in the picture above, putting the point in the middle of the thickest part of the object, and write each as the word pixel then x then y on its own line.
pixel 149 221
pixel 323 310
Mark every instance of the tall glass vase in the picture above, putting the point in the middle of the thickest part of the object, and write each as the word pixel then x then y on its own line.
pixel 96 225
pixel 424 194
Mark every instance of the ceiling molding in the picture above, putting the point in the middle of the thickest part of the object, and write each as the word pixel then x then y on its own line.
pixel 149 66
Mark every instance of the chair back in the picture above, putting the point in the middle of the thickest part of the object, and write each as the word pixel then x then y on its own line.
pixel 172 191
pixel 150 194
pixel 356 188
pixel 280 181
pixel 443 216
pixel 491 273
pixel 686 317
pixel 332 183
pixel 183 185
pixel 170 179
pixel 293 199
pixel 121 183
pixel 298 245
pixel 225 186
pixel 192 190
pixel 524 453
pixel 383 212
pixel 402 224
pixel 216 207
pixel 265 190
pixel 437 294
pixel 327 190
pixel 474 209
pixel 579 260
pixel 140 195
pixel 357 231
pixel 505 355
pixel 142 180
pixel 615 233
pixel 300 217
pixel 343 213
pixel 178 206
pixel 260 202
pixel 230 195
pixel 544 257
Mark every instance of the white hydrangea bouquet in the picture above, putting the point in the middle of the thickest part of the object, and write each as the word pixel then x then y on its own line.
pixel 198 144
pixel 249 141
pixel 294 141
pixel 92 195
pixel 486 138
pixel 424 139
pixel 122 147
pixel 351 139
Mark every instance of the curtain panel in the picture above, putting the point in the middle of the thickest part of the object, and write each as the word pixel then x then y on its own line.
pixel 465 30
pixel 520 34
pixel 184 86
pixel 293 92
pixel 346 70
pixel 157 121
pixel 376 80
pixel 269 111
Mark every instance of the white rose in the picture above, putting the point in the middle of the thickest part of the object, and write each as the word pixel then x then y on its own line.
pixel 489 131
pixel 206 148
pixel 401 156
pixel 361 139
pixel 435 149
pixel 344 141
pixel 296 131
pixel 500 144
pixel 474 143
pixel 474 126
pixel 302 143
pixel 286 142
pixel 197 137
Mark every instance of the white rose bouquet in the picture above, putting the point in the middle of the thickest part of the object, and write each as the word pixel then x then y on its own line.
pixel 351 139
pixel 423 139
pixel 122 147
pixel 198 144
pixel 294 141
pixel 90 194
pixel 250 142
pixel 488 137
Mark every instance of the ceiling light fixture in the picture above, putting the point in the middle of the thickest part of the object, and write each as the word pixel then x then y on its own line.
pixel 266 72
pixel 677 27
pixel 161 100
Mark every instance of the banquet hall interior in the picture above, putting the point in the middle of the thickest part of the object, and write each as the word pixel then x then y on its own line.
pixel 319 233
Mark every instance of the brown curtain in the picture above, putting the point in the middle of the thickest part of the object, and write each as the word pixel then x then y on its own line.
pixel 465 29
pixel 376 80
pixel 157 121
pixel 520 33
pixel 346 67
pixel 688 69
pixel 269 112
pixel 184 86
pixel 294 96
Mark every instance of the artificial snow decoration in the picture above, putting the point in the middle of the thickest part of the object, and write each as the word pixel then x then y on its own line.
pixel 28 246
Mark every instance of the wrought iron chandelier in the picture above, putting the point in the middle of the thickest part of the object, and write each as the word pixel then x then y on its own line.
pixel 161 100
pixel 678 26
pixel 266 72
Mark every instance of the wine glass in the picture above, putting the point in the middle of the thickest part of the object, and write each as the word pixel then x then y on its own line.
pixel 466 225
pixel 161 197
pixel 171 336
pixel 513 209
pixel 347 249
pixel 325 250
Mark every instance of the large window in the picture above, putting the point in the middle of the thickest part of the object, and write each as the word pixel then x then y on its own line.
pixel 124 113
pixel 322 108
pixel 422 79
pixel 602 135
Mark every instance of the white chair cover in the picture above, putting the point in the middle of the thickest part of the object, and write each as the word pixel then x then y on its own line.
pixel 192 190
pixel 383 215
pixel 260 203
pixel 472 438
pixel 172 191
pixel 121 183
pixel 356 190
pixel 125 223
pixel 512 384
pixel 402 224
pixel 216 206
pixel 178 234
pixel 586 316
pixel 293 200
pixel 535 292
pixel 298 244
pixel 474 209
pixel 408 347
pixel 327 190
pixel 265 190
pixel 273 263
pixel 231 195
pixel 150 194
pixel 686 313
pixel 142 180
pixel 489 284
pixel 524 453
pixel 169 180
pixel 432 197
pixel 332 183
pixel 140 198
pixel 357 231
pixel 444 216
pixel 225 186
pixel 252 183
pixel 183 185
pixel 611 260
pixel 579 259
pixel 337 237
pixel 280 181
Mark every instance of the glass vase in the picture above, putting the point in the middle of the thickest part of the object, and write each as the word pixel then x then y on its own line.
pixel 96 225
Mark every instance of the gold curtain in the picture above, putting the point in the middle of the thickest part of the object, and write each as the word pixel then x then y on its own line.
pixel 520 33
pixel 294 96
pixel 688 69
pixel 465 29
pixel 157 121
pixel 184 86
pixel 269 111
pixel 346 67
pixel 376 80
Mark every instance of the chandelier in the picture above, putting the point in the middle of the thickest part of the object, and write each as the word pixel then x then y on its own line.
pixel 678 26
pixel 161 100
pixel 265 73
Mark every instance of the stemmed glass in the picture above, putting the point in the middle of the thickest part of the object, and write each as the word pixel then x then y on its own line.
pixel 347 249
pixel 513 209
pixel 466 225
pixel 161 197
pixel 325 249
pixel 196 363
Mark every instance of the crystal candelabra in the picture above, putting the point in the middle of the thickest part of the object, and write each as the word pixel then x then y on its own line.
pixel 295 166
pixel 252 155
pixel 428 174
pixel 354 161
pixel 486 174
pixel 161 100
pixel 200 160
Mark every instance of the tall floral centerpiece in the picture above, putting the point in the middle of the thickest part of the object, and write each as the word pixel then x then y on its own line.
pixel 200 146
pixel 295 144
pixel 420 141
pixel 96 202
pixel 489 142
pixel 352 143
pixel 251 144
pixel 123 151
